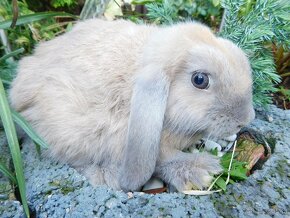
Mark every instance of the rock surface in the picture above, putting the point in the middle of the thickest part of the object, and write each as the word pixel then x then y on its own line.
pixel 56 190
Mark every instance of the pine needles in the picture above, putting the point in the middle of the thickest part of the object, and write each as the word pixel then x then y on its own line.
pixel 254 29
pixel 162 13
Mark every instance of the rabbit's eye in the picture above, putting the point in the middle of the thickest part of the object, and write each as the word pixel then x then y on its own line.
pixel 200 80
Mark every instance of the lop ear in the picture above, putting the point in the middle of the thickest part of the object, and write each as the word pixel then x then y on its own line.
pixel 148 106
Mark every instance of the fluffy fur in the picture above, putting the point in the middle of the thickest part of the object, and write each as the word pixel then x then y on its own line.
pixel 115 100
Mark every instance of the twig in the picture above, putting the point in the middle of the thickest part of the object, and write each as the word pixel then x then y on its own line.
pixel 15 10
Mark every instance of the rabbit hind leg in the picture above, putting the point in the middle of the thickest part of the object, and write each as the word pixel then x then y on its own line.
pixel 94 174
pixel 102 176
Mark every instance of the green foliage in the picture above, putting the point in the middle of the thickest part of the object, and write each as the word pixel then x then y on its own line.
pixel 62 3
pixel 14 53
pixel 237 172
pixel 143 2
pixel 7 71
pixel 8 173
pixel 285 93
pixel 198 9
pixel 8 68
pixel 32 18
pixel 18 37
pixel 253 27
pixel 162 13
pixel 169 11
pixel 39 26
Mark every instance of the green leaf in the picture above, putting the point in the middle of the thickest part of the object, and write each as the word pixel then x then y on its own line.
pixel 214 151
pixel 226 159
pixel 239 173
pixel 215 2
pixel 62 3
pixel 28 129
pixel 221 183
pixel 11 136
pixel 231 181
pixel 25 19
pixel 11 54
pixel 7 173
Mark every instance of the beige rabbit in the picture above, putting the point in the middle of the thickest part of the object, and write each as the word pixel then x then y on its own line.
pixel 121 101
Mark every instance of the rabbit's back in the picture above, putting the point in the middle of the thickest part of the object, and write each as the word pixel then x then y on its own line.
pixel 75 89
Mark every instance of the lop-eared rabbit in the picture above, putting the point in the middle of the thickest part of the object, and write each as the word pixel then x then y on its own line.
pixel 121 101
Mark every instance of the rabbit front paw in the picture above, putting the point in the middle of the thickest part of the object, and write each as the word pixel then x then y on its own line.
pixel 187 171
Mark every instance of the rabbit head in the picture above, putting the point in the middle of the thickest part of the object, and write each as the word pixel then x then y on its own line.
pixel 191 82
pixel 212 92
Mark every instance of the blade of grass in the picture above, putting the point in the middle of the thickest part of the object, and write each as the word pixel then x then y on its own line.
pixel 7 173
pixel 10 131
pixel 144 2
pixel 34 17
pixel 11 54
pixel 19 120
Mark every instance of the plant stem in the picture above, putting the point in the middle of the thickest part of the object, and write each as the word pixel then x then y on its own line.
pixel 285 74
pixel 230 166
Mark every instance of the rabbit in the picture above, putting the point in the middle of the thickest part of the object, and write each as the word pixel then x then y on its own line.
pixel 120 101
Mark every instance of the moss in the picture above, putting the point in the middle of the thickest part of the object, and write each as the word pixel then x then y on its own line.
pixel 65 186
pixel 281 168
pixel 161 209
pixel 5 187
pixel 239 198
pixel 66 190
pixel 54 183
pixel 48 193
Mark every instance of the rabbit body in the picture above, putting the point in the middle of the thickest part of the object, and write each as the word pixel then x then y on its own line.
pixel 114 99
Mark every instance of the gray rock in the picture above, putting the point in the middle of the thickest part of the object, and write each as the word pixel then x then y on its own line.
pixel 11 208
pixel 268 189
pixel 56 190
